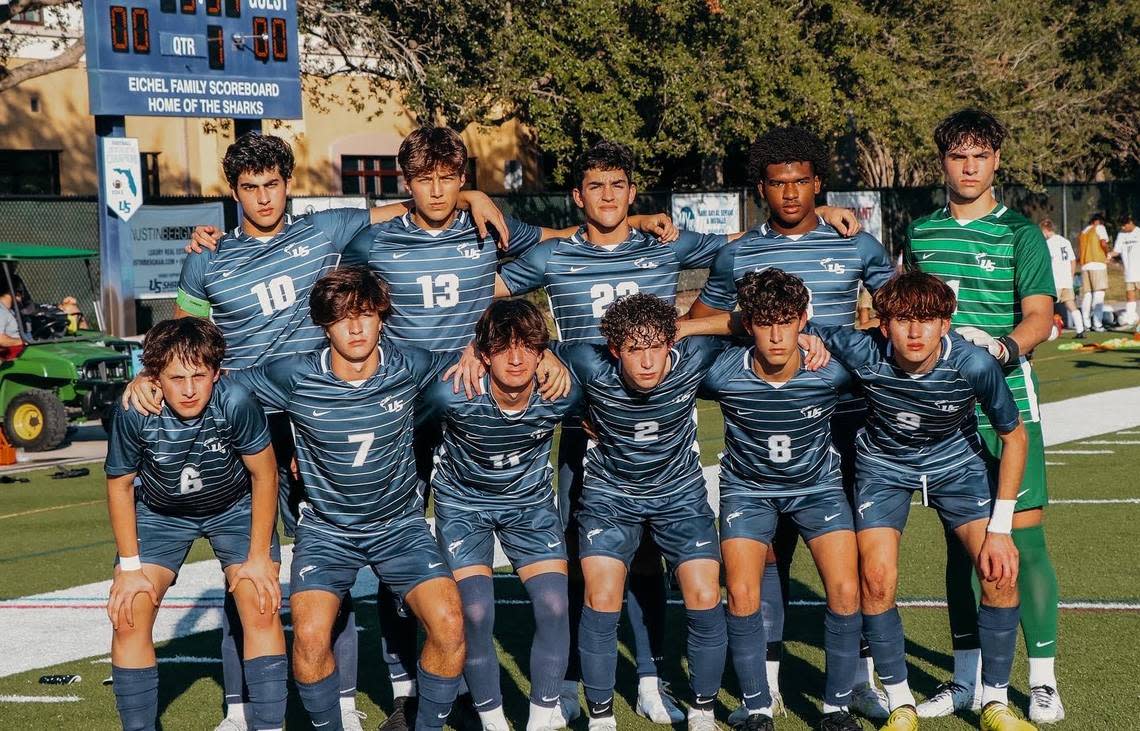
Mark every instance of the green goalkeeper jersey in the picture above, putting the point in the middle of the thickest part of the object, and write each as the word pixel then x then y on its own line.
pixel 991 263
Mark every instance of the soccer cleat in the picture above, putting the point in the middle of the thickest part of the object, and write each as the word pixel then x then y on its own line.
pixel 703 720
pixel 998 716
pixel 738 716
pixel 403 710
pixel 556 718
pixel 948 699
pixel 603 723
pixel 658 705
pixel 1079 336
pixel 231 724
pixel 870 702
pixel 755 722
pixel 839 721
pixel 350 719
pixel 1045 704
pixel 903 718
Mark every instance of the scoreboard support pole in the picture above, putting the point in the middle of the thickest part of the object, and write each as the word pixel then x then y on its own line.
pixel 118 294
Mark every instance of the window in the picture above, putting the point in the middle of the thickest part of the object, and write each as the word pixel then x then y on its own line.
pixel 369 175
pixel 148 163
pixel 30 17
pixel 29 172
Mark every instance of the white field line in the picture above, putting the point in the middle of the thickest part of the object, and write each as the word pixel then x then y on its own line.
pixel 1109 441
pixel 1080 451
pixel 48 510
pixel 39 698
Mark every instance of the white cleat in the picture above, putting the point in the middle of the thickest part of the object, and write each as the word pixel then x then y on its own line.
pixel 605 723
pixel 1045 704
pixel 702 720
pixel 231 724
pixel 870 702
pixel 350 719
pixel 655 703
pixel 950 698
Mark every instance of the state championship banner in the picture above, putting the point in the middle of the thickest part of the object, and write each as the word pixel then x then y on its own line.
pixel 708 213
pixel 159 235
pixel 867 205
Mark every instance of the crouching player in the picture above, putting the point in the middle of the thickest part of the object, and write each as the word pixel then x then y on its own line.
pixel 922 383
pixel 204 468
pixel 644 472
pixel 779 460
pixel 492 477
pixel 350 405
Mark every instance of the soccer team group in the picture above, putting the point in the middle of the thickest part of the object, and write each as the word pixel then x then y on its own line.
pixel 334 370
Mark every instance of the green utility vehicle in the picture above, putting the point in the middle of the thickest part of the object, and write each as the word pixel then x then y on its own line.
pixel 64 371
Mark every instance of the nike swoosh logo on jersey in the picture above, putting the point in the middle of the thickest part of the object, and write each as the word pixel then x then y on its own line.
pixel 1044 644
pixel 1022 492
pixel 227 274
pixel 319 413
pixel 927 255
pixel 401 255
pixel 982 502
pixel 829 518
pixel 435 565
pixel 701 544
pixel 554 545
pixel 575 270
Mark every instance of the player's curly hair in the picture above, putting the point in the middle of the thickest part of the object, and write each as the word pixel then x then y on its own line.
pixel 787 144
pixel 192 340
pixel 969 127
pixel 255 153
pixel 429 148
pixel 914 295
pixel 771 297
pixel 507 322
pixel 354 290
pixel 604 155
pixel 639 320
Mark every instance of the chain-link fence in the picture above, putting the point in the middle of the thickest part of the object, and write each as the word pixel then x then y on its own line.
pixel 73 221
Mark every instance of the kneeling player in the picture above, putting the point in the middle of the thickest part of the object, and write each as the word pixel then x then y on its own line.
pixel 644 472
pixel 779 460
pixel 922 383
pixel 194 462
pixel 351 410
pixel 492 477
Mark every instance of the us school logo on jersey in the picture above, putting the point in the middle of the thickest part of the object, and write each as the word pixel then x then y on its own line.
pixel 454 546
pixel 213 445
pixel 829 264
pixel 391 404
pixel 984 262
pixel 594 532
pixel 468 250
pixel 684 397
pixel 540 434
pixel 296 250
pixel 864 506
pixel 732 516
pixel 946 406
pixel 643 263
pixel 811 412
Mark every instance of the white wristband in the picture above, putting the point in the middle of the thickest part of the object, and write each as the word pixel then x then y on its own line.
pixel 1002 519
pixel 130 563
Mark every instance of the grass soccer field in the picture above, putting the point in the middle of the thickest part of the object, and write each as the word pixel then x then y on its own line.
pixel 54 537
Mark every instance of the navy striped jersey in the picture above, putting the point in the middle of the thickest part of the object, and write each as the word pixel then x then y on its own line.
pixel 492 459
pixel 582 279
pixel 777 438
pixel 647 444
pixel 354 440
pixel 257 292
pixel 832 266
pixel 925 422
pixel 190 467
pixel 440 281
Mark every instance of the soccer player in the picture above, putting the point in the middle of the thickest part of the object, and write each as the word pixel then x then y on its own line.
pixel 1064 269
pixel 203 467
pixel 1127 249
pixel 997 260
pixel 644 473
pixel 1093 248
pixel 779 460
pixel 492 478
pixel 789 166
pixel 351 409
pixel 922 383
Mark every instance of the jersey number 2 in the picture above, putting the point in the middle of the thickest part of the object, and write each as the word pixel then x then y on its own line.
pixel 603 294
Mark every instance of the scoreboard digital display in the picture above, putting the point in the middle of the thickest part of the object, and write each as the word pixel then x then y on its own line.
pixel 193 58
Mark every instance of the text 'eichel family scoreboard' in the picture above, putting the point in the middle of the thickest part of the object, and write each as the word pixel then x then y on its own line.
pixel 193 58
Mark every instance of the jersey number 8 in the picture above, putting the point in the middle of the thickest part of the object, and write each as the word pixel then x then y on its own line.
pixel 780 448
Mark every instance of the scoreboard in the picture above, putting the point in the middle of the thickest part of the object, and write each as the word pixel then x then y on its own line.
pixel 193 58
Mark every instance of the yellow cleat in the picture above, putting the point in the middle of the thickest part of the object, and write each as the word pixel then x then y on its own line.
pixel 999 717
pixel 903 718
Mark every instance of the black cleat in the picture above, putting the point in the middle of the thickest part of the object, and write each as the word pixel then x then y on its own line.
pixel 756 722
pixel 403 715
pixel 839 721
pixel 1079 336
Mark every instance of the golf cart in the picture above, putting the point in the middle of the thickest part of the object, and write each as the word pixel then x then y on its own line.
pixel 65 371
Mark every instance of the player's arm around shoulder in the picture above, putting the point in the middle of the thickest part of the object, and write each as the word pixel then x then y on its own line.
pixel 855 349
pixel 191 298
pixel 877 265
